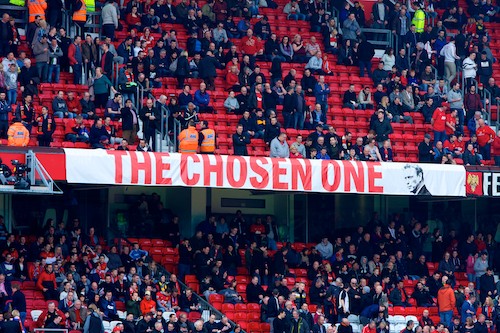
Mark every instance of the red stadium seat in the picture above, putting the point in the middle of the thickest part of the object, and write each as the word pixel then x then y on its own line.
pixel 216 298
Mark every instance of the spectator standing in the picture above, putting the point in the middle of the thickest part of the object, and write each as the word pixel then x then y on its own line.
pixel 93 322
pixel 130 123
pixel 472 103
pixel 469 66
pixel 438 123
pixel 149 115
pixel 351 28
pixel 366 51
pixel 449 52
pixel 382 127
pixel 40 48
pixel 425 151
pixel 485 136
pixel 485 69
pixel 446 303
pixel 45 128
pixel 55 52
pixel 11 74
pixel 456 100
pixel 496 147
pixel 240 141
pixel 76 59
pixel 109 16
pixel 5 110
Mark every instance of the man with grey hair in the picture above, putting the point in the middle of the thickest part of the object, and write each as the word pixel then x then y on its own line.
pixel 298 324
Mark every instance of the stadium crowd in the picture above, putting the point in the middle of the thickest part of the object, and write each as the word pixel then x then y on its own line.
pixel 364 273
pixel 404 82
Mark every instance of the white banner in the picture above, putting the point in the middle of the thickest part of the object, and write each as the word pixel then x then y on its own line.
pixel 99 166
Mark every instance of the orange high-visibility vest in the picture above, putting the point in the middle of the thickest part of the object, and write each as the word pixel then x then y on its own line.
pixel 208 143
pixel 188 141
pixel 36 7
pixel 81 14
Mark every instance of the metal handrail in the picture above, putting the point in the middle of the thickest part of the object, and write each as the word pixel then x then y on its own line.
pixel 487 104
pixel 498 113
pixel 93 22
pixel 63 330
pixel 408 55
pixel 373 32
pixel 435 71
pixel 204 305
pixel 21 22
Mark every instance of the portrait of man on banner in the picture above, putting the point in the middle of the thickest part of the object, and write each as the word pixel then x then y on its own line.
pixel 414 178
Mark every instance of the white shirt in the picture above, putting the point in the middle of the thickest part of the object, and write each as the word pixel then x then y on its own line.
pixel 449 51
pixel 470 67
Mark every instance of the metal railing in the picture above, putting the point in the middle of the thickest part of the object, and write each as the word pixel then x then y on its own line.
pixel 379 38
pixel 93 23
pixel 20 14
pixel 50 330
pixel 204 305
pixel 498 113
pixel 464 81
pixel 435 71
pixel 164 142
pixel 487 105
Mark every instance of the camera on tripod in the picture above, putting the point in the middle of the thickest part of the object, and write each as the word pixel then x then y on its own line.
pixel 20 169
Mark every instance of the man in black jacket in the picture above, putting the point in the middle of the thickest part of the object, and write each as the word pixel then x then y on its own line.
pixel 308 83
pixel 273 129
pixel 29 79
pixel 208 67
pixel 150 117
pixel 280 323
pixel 6 36
pixel 254 291
pixel 240 141
pixel 425 151
pixel 130 125
pixel 382 127
pixel 96 132
pixel 366 51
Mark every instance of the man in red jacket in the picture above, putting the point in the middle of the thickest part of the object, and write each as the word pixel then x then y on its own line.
pixel 485 136
pixel 48 316
pixel 76 59
pixel 47 283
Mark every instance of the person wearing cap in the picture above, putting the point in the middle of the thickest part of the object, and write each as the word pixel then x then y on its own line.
pixel 148 305
pixel 485 69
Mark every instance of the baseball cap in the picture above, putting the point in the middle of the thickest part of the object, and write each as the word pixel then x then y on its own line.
pixel 427 136
pixel 147 293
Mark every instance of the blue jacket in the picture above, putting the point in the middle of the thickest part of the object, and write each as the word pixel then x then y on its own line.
pixel 471 125
pixel 321 94
pixel 109 308
pixel 5 109
pixel 137 254
pixel 201 99
pixel 463 311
